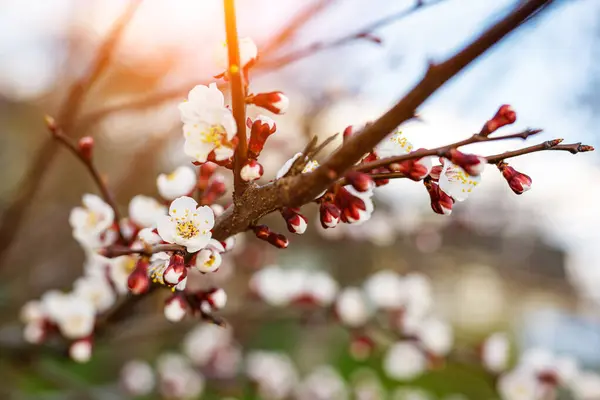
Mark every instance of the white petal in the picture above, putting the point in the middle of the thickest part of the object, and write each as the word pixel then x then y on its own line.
pixel 166 228
pixel 182 204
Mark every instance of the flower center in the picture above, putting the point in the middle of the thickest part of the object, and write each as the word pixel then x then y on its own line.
pixel 214 135
pixel 187 229
pixel 458 175
pixel 400 140
pixel 92 219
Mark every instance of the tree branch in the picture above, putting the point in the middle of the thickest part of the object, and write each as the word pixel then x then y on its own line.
pixel 13 215
pixel 572 148
pixel 364 33
pixel 236 74
pixel 117 251
pixel 301 189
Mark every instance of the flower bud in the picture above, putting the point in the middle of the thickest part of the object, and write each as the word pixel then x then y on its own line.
pixel 278 240
pixel 251 171
pixel 518 182
pixel 138 281
pixel 208 260
pixel 216 299
pixel 175 308
pixel 228 244
pixel 353 209
pixel 472 164
pixel 504 116
pixel 262 232
pixel 51 124
pixel 206 171
pixel 86 147
pixel 81 350
pixel 276 102
pixel 329 215
pixel 175 271
pixel 260 130
pixel 216 188
pixel 296 222
pixel 360 181
pixel 441 203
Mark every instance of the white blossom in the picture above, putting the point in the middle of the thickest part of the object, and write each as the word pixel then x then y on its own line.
pixel 541 360
pixel 178 379
pixel 519 385
pixel 274 373
pixel 137 378
pixel 180 182
pixel 495 352
pixel 202 342
pixel 394 145
pixel 352 307
pixel 208 125
pixel 455 182
pixel 32 311
pixel 321 287
pixel 92 223
pixel 74 316
pixel 404 361
pixel 144 211
pixel 310 166
pixel 385 289
pixel 96 290
pixel 324 383
pixel 187 224
pixel 271 283
pixel 436 336
pixel 34 332
pixel 208 260
pixel 81 351
pixel 175 309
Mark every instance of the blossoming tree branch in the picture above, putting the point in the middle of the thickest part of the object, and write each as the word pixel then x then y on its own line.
pixel 163 242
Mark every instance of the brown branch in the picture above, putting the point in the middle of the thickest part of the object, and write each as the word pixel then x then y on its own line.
pixel 14 213
pixel 442 150
pixel 301 189
pixel 364 33
pixel 573 148
pixel 236 74
pixel 107 195
pixel 117 251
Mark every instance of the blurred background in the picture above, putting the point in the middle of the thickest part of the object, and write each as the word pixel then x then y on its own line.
pixel 527 265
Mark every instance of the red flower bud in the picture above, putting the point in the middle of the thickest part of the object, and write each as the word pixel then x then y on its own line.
pixel 86 147
pixel 472 164
pixel 441 203
pixel 176 307
pixel 176 271
pixel 261 231
pixel 353 209
pixel 260 130
pixel 138 281
pixel 296 222
pixel 276 102
pixel 216 188
pixel 359 181
pixel 278 240
pixel 504 116
pixel 518 182
pixel 251 171
pixel 206 171
pixel 329 215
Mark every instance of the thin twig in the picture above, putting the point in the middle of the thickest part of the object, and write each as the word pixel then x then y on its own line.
pixel 117 251
pixel 235 73
pixel 442 150
pixel 107 195
pixel 572 148
pixel 364 33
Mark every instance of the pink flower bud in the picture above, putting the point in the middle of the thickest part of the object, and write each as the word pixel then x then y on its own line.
pixel 138 281
pixel 329 215
pixel 175 308
pixel 276 102
pixel 296 222
pixel 518 182
pixel 359 181
pixel 86 147
pixel 216 298
pixel 278 240
pixel 353 209
pixel 472 164
pixel 504 116
pixel 441 203
pixel 260 130
pixel 251 171
pixel 216 188
pixel 175 271
pixel 206 172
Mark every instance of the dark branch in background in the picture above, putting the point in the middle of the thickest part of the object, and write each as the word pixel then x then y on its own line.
pixel 14 213
pixel 117 251
pixel 364 33
pixel 301 189
pixel 86 160
pixel 236 74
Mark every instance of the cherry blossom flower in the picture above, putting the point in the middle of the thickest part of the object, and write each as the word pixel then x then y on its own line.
pixel 385 290
pixel 81 350
pixel 74 316
pixel 248 53
pixel 137 378
pixel 34 332
pixel 180 182
pixel 352 307
pixel 187 224
pixel 96 290
pixel 208 260
pixel 175 308
pixel 144 211
pixel 559 370
pixel 324 383
pixel 455 182
pixel 274 373
pixel 32 311
pixel 209 126
pixel 436 336
pixel 271 283
pixel 519 385
pixel 404 361
pixel 251 171
pixel 204 341
pixel 92 224
pixel 215 300
pixel 310 166
pixel 495 352
pixel 397 145
pixel 178 380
